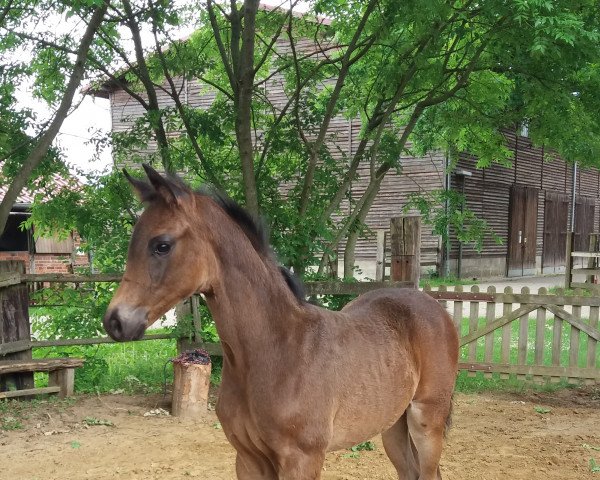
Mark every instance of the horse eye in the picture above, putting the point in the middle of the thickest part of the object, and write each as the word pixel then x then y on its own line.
pixel 162 248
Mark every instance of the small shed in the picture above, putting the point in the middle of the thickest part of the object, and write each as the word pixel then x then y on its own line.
pixel 39 254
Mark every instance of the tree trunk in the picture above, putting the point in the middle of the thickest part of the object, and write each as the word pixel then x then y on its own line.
pixel 350 250
pixel 41 148
pixel 153 109
pixel 243 121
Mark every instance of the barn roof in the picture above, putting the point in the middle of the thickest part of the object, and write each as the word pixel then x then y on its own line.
pixel 105 87
pixel 44 188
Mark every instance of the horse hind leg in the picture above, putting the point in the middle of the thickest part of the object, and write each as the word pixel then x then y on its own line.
pixel 401 450
pixel 427 423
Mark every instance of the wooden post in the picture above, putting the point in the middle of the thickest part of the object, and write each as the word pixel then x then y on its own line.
pixel 380 257
pixel 592 261
pixel 64 379
pixel 190 390
pixel 569 260
pixel 405 246
pixel 14 324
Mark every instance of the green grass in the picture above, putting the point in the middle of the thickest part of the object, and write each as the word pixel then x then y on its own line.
pixel 130 367
pixel 134 367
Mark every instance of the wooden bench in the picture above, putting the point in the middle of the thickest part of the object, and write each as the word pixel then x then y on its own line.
pixel 61 375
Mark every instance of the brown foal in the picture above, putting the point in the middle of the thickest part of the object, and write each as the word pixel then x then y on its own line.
pixel 298 380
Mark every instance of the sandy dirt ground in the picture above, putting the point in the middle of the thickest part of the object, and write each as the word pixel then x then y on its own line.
pixel 495 436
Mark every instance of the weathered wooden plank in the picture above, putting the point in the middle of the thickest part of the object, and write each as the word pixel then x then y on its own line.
pixel 577 323
pixel 458 311
pixel 556 339
pixel 490 314
pixel 93 341
pixel 71 278
pixel 473 325
pixel 29 391
pixel 540 328
pixel 505 345
pixel 380 256
pixel 39 365
pixel 341 288
pixel 405 245
pixel 12 347
pixel 14 323
pixel 592 344
pixel 9 278
pixel 585 271
pixel 64 379
pixel 592 262
pixel 517 298
pixel 574 342
pixel 569 257
pixel 585 254
pixel 523 335
pixel 544 370
pixel 460 295
pixel 504 320
pixel 443 303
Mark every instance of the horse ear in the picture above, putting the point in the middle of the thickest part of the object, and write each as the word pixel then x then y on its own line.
pixel 166 188
pixel 144 191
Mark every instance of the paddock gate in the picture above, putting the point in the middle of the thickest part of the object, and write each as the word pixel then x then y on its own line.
pixel 537 336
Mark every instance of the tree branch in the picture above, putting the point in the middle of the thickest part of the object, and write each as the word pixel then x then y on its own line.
pixel 41 149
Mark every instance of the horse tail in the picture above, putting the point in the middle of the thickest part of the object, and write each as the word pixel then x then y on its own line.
pixel 449 417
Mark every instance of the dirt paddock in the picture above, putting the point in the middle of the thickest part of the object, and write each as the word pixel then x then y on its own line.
pixel 495 436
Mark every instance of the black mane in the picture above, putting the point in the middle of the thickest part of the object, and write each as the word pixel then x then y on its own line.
pixel 257 233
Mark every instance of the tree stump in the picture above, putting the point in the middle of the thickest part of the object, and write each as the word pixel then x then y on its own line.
pixel 190 385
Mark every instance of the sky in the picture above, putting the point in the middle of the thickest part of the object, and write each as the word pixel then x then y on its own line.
pixel 92 115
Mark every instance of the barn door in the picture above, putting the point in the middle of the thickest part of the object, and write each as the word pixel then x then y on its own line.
pixel 556 217
pixel 523 231
pixel 584 224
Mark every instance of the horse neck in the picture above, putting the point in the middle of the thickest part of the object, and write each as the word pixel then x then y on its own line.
pixel 251 304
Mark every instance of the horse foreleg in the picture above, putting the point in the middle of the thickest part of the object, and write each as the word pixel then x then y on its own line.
pixel 251 467
pixel 298 465
pixel 401 450
pixel 426 424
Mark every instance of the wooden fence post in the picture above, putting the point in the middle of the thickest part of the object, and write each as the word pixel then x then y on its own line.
pixel 569 260
pixel 592 261
pixel 14 324
pixel 380 257
pixel 405 243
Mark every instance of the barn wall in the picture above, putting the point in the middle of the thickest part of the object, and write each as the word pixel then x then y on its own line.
pixel 415 174
pixel 488 195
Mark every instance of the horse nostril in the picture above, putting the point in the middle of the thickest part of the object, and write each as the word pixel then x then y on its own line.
pixel 124 323
pixel 113 325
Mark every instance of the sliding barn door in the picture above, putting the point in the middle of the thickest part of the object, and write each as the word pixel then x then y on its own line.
pixel 556 217
pixel 522 231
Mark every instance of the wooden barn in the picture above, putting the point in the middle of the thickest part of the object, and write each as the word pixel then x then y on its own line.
pixel 528 206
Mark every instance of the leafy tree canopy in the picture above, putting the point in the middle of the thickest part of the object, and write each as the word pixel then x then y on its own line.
pixel 417 75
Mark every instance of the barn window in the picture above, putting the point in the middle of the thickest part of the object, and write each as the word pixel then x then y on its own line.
pixel 14 238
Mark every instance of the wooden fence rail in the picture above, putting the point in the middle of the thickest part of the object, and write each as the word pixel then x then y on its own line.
pixel 544 336
pixel 537 335
pixel 591 268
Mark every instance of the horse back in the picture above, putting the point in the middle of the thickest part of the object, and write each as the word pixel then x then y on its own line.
pixel 414 318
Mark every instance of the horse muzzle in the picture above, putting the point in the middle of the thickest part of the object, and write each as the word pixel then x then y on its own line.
pixel 124 323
